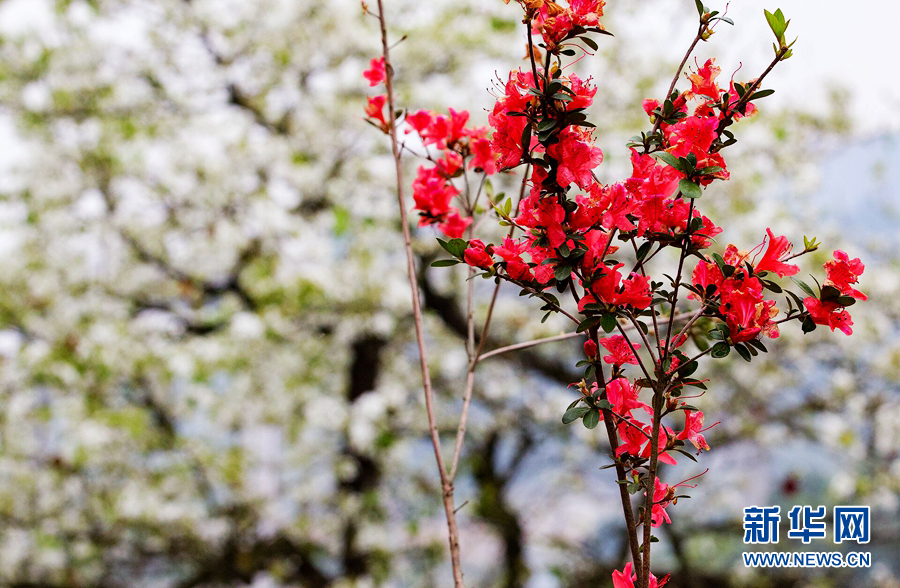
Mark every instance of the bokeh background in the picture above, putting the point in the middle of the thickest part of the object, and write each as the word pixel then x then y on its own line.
pixel 207 369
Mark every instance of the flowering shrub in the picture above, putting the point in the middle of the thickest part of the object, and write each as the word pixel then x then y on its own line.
pixel 570 235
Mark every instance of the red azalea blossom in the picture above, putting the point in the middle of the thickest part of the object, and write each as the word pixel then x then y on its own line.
pixel 375 109
pixel 703 82
pixel 454 225
pixel 477 256
pixel 432 195
pixel 482 156
pixel 620 352
pixel 693 425
pixel 576 157
pixel 778 248
pixel 420 120
pixel 623 395
pixel 829 314
pixel 841 273
pixel 376 72
pixel 626 579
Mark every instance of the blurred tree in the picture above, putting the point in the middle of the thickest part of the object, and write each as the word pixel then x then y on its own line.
pixel 205 334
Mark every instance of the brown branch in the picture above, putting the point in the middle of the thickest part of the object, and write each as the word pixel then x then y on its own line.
pixel 446 482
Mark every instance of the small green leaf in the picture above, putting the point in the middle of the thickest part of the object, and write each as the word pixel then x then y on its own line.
pixel 591 419
pixel 608 322
pixel 804 286
pixel 720 350
pixel 643 250
pixel 444 262
pixel 808 325
pixel 574 414
pixel 587 324
pixel 742 351
pixel 589 42
pixel 761 94
pixel 604 404
pixel 669 159
pixel 546 124
pixel 689 189
pixel 685 453
pixel 454 247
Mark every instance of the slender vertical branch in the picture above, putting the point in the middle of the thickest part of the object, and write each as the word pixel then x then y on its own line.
pixel 686 241
pixel 446 482
pixel 475 354
pixel 621 478
pixel 644 578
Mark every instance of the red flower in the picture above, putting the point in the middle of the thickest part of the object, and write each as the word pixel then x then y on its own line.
pixel 777 249
pixel 432 195
pixel 693 425
pixel 840 272
pixel 703 82
pixel 620 352
pixel 476 255
pixel 623 396
pixel 576 159
pixel 692 135
pixel 830 314
pixel 590 349
pixel 625 578
pixel 482 156
pixel 420 120
pixel 454 226
pixel 636 292
pixel 376 73
pixel 375 109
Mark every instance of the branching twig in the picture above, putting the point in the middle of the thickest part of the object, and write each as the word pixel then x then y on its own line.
pixel 446 482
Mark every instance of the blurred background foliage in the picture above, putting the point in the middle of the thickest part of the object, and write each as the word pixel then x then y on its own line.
pixel 206 342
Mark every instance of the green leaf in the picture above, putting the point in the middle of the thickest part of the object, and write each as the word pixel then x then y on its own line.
pixel 688 369
pixel 716 334
pixel 562 272
pixel 591 419
pixel 804 286
pixel 604 404
pixel 546 124
pixel 685 453
pixel 830 293
pixel 761 94
pixel 574 414
pixel 587 324
pixel 454 247
pixel 608 322
pixel 808 325
pixel 689 189
pixel 643 250
pixel 444 262
pixel 669 159
pixel 720 261
pixel 742 351
pixel 709 170
pixel 845 300
pixel 776 23
pixel 720 350
pixel 589 42
pixel 700 7
pixel 758 344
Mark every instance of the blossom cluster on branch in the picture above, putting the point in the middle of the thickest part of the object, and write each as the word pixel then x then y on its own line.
pixel 570 234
